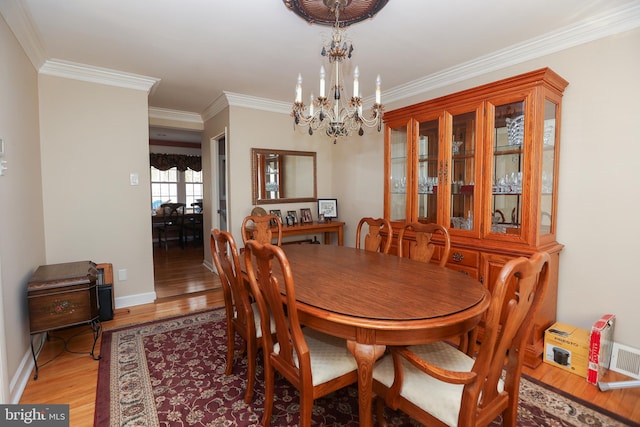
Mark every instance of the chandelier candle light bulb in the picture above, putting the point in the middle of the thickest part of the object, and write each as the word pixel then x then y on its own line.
pixel 356 85
pixel 299 89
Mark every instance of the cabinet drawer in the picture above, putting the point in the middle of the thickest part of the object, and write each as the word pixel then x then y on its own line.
pixel 463 257
pixel 471 272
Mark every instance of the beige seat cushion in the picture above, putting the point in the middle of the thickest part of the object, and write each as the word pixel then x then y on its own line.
pixel 440 399
pixel 330 357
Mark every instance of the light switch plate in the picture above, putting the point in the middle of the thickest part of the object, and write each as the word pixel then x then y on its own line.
pixel 133 178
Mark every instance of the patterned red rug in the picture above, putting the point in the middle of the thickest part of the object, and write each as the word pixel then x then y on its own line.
pixel 171 373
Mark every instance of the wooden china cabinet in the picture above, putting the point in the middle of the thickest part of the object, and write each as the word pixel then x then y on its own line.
pixel 483 163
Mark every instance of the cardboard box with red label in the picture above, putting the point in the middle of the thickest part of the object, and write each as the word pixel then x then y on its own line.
pixel 600 345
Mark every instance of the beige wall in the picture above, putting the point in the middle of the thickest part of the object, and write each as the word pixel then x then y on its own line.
pixel 21 229
pixel 93 136
pixel 243 137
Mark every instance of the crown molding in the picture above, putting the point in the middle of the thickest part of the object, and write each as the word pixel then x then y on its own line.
pixel 620 20
pixel 19 20
pixel 175 115
pixel 239 100
pixel 75 71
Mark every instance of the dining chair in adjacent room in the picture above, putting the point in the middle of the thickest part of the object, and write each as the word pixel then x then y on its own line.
pixel 439 385
pixel 374 240
pixel 193 224
pixel 422 247
pixel 243 316
pixel 172 222
pixel 314 363
pixel 260 228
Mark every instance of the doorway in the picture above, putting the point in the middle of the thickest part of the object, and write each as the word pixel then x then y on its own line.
pixel 179 266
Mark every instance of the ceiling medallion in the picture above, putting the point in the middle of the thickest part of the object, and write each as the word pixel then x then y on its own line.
pixel 322 12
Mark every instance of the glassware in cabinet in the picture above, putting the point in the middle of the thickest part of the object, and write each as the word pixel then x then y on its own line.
pixel 427 170
pixel 465 128
pixel 506 195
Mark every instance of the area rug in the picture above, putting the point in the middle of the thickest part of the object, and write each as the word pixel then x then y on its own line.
pixel 171 373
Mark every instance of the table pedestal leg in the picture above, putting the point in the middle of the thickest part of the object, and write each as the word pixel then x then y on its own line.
pixel 365 355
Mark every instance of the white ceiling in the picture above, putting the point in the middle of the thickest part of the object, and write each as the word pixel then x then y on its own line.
pixel 200 48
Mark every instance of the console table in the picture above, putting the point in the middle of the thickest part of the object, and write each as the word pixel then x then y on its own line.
pixel 63 295
pixel 314 227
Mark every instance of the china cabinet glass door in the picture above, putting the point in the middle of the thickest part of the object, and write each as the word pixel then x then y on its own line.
pixel 397 174
pixel 427 170
pixel 508 136
pixel 549 167
pixel 463 168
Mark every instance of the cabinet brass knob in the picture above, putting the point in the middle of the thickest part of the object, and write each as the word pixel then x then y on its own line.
pixel 457 256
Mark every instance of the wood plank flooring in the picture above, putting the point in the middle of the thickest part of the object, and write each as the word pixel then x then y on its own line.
pixel 71 378
pixel 179 271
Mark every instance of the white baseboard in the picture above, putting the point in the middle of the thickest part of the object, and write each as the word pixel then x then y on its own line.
pixel 209 265
pixel 21 377
pixel 138 299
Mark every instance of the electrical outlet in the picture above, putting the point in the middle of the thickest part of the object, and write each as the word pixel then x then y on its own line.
pixel 122 275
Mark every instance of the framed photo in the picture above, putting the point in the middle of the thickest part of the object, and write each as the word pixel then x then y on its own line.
pixel 292 217
pixel 305 216
pixel 328 208
pixel 277 213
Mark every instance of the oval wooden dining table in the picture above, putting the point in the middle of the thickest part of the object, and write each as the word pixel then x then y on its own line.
pixel 373 300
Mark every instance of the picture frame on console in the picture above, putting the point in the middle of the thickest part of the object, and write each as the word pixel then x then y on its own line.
pixel 292 218
pixel 328 208
pixel 277 213
pixel 305 216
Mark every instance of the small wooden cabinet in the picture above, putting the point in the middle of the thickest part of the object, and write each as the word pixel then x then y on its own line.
pixel 484 163
pixel 60 296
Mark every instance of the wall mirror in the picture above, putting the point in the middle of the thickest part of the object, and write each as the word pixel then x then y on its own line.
pixel 283 176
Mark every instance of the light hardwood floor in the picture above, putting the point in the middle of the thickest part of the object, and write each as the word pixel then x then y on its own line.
pixel 179 271
pixel 71 378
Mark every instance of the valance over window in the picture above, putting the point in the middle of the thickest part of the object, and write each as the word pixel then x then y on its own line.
pixel 181 161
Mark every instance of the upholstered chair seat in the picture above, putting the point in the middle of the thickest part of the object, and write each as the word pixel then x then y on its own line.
pixel 440 399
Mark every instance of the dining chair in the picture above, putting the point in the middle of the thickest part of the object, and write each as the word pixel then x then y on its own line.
pixel 422 248
pixel 316 364
pixel 243 316
pixel 172 221
pixel 439 385
pixel 193 224
pixel 374 240
pixel 260 228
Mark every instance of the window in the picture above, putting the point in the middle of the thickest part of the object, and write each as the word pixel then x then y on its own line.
pixel 175 186
pixel 164 186
pixel 193 186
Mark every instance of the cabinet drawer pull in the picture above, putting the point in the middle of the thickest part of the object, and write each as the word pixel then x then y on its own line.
pixel 457 256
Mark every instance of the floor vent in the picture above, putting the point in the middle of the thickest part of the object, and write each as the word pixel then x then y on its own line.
pixel 625 360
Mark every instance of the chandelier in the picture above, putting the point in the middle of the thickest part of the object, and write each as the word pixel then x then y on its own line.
pixel 334 114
